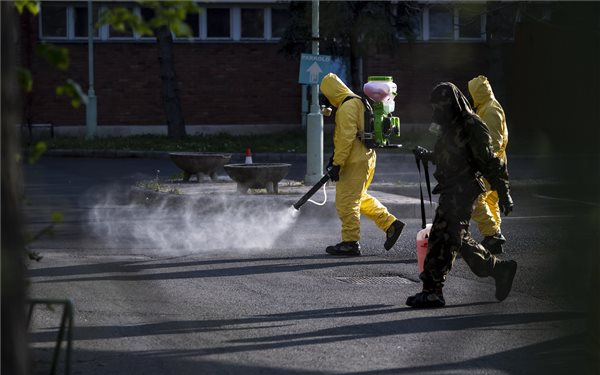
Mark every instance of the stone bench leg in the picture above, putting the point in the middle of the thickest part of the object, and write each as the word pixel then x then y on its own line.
pixel 272 187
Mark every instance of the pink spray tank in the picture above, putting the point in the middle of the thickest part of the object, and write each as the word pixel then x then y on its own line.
pixel 422 246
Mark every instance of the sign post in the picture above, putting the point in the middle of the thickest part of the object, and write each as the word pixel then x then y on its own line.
pixel 312 68
pixel 91 109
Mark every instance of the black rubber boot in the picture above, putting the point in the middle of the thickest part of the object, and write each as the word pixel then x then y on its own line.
pixel 504 274
pixel 392 234
pixel 426 300
pixel 494 243
pixel 345 248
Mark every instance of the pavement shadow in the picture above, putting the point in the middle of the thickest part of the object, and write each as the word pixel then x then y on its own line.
pixel 187 326
pixel 557 356
pixel 563 355
pixel 133 270
pixel 151 362
pixel 415 325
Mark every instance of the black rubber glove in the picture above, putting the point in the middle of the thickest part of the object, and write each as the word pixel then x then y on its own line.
pixel 422 153
pixel 505 202
pixel 334 172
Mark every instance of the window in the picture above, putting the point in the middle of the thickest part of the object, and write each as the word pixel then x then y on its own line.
pixel 280 18
pixel 454 21
pixel 68 21
pixel 410 23
pixel 54 21
pixel 470 21
pixel 253 23
pixel 192 22
pixel 217 23
pixel 81 21
pixel 147 14
pixel 441 22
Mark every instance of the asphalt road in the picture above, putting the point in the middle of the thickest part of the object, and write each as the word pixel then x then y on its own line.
pixel 158 291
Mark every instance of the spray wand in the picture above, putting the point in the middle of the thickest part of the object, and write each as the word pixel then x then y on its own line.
pixel 312 191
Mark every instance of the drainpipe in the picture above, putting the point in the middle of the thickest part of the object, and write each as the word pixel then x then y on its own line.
pixel 91 110
pixel 314 121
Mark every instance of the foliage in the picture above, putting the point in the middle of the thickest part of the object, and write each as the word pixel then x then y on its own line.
pixel 37 151
pixel 73 91
pixel 348 29
pixel 293 141
pixel 32 7
pixel 54 55
pixel 171 14
pixel 158 187
pixel 48 230
pixel 25 79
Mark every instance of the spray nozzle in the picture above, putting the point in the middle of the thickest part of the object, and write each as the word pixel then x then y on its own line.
pixel 326 111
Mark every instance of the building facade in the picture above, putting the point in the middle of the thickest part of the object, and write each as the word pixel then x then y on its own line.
pixel 232 74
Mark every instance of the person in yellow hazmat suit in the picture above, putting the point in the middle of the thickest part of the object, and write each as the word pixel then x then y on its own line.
pixel 486 213
pixel 352 166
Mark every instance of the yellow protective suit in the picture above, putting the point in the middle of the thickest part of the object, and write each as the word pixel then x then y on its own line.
pixel 486 212
pixel 357 163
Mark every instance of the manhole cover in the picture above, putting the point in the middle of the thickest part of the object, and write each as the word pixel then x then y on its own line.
pixel 375 280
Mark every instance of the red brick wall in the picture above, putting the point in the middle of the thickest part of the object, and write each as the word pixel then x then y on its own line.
pixel 219 84
pixel 233 83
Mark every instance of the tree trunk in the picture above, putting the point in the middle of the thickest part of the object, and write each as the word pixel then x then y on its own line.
pixel 170 90
pixel 355 68
pixel 15 352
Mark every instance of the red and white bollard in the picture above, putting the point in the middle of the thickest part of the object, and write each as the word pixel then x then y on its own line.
pixel 248 156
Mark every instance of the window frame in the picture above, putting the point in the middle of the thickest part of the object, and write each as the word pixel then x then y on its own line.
pixel 264 21
pixel 98 32
pixel 482 24
pixel 103 32
pixel 452 12
pixel 232 31
pixel 68 20
pixel 424 34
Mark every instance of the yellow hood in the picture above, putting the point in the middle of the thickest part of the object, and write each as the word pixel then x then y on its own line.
pixel 335 90
pixel 480 90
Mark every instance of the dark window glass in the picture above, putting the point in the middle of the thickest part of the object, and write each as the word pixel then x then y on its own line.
pixel 253 23
pixel 217 23
pixel 147 14
pixel 441 22
pixel 192 21
pixel 413 24
pixel 54 21
pixel 280 18
pixel 81 26
pixel 469 21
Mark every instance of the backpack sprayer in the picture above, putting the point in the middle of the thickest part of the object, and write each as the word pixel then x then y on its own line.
pixel 380 125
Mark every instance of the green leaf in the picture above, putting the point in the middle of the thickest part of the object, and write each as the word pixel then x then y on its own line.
pixel 37 151
pixel 166 13
pixel 32 7
pixel 56 56
pixel 73 91
pixel 57 217
pixel 25 79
